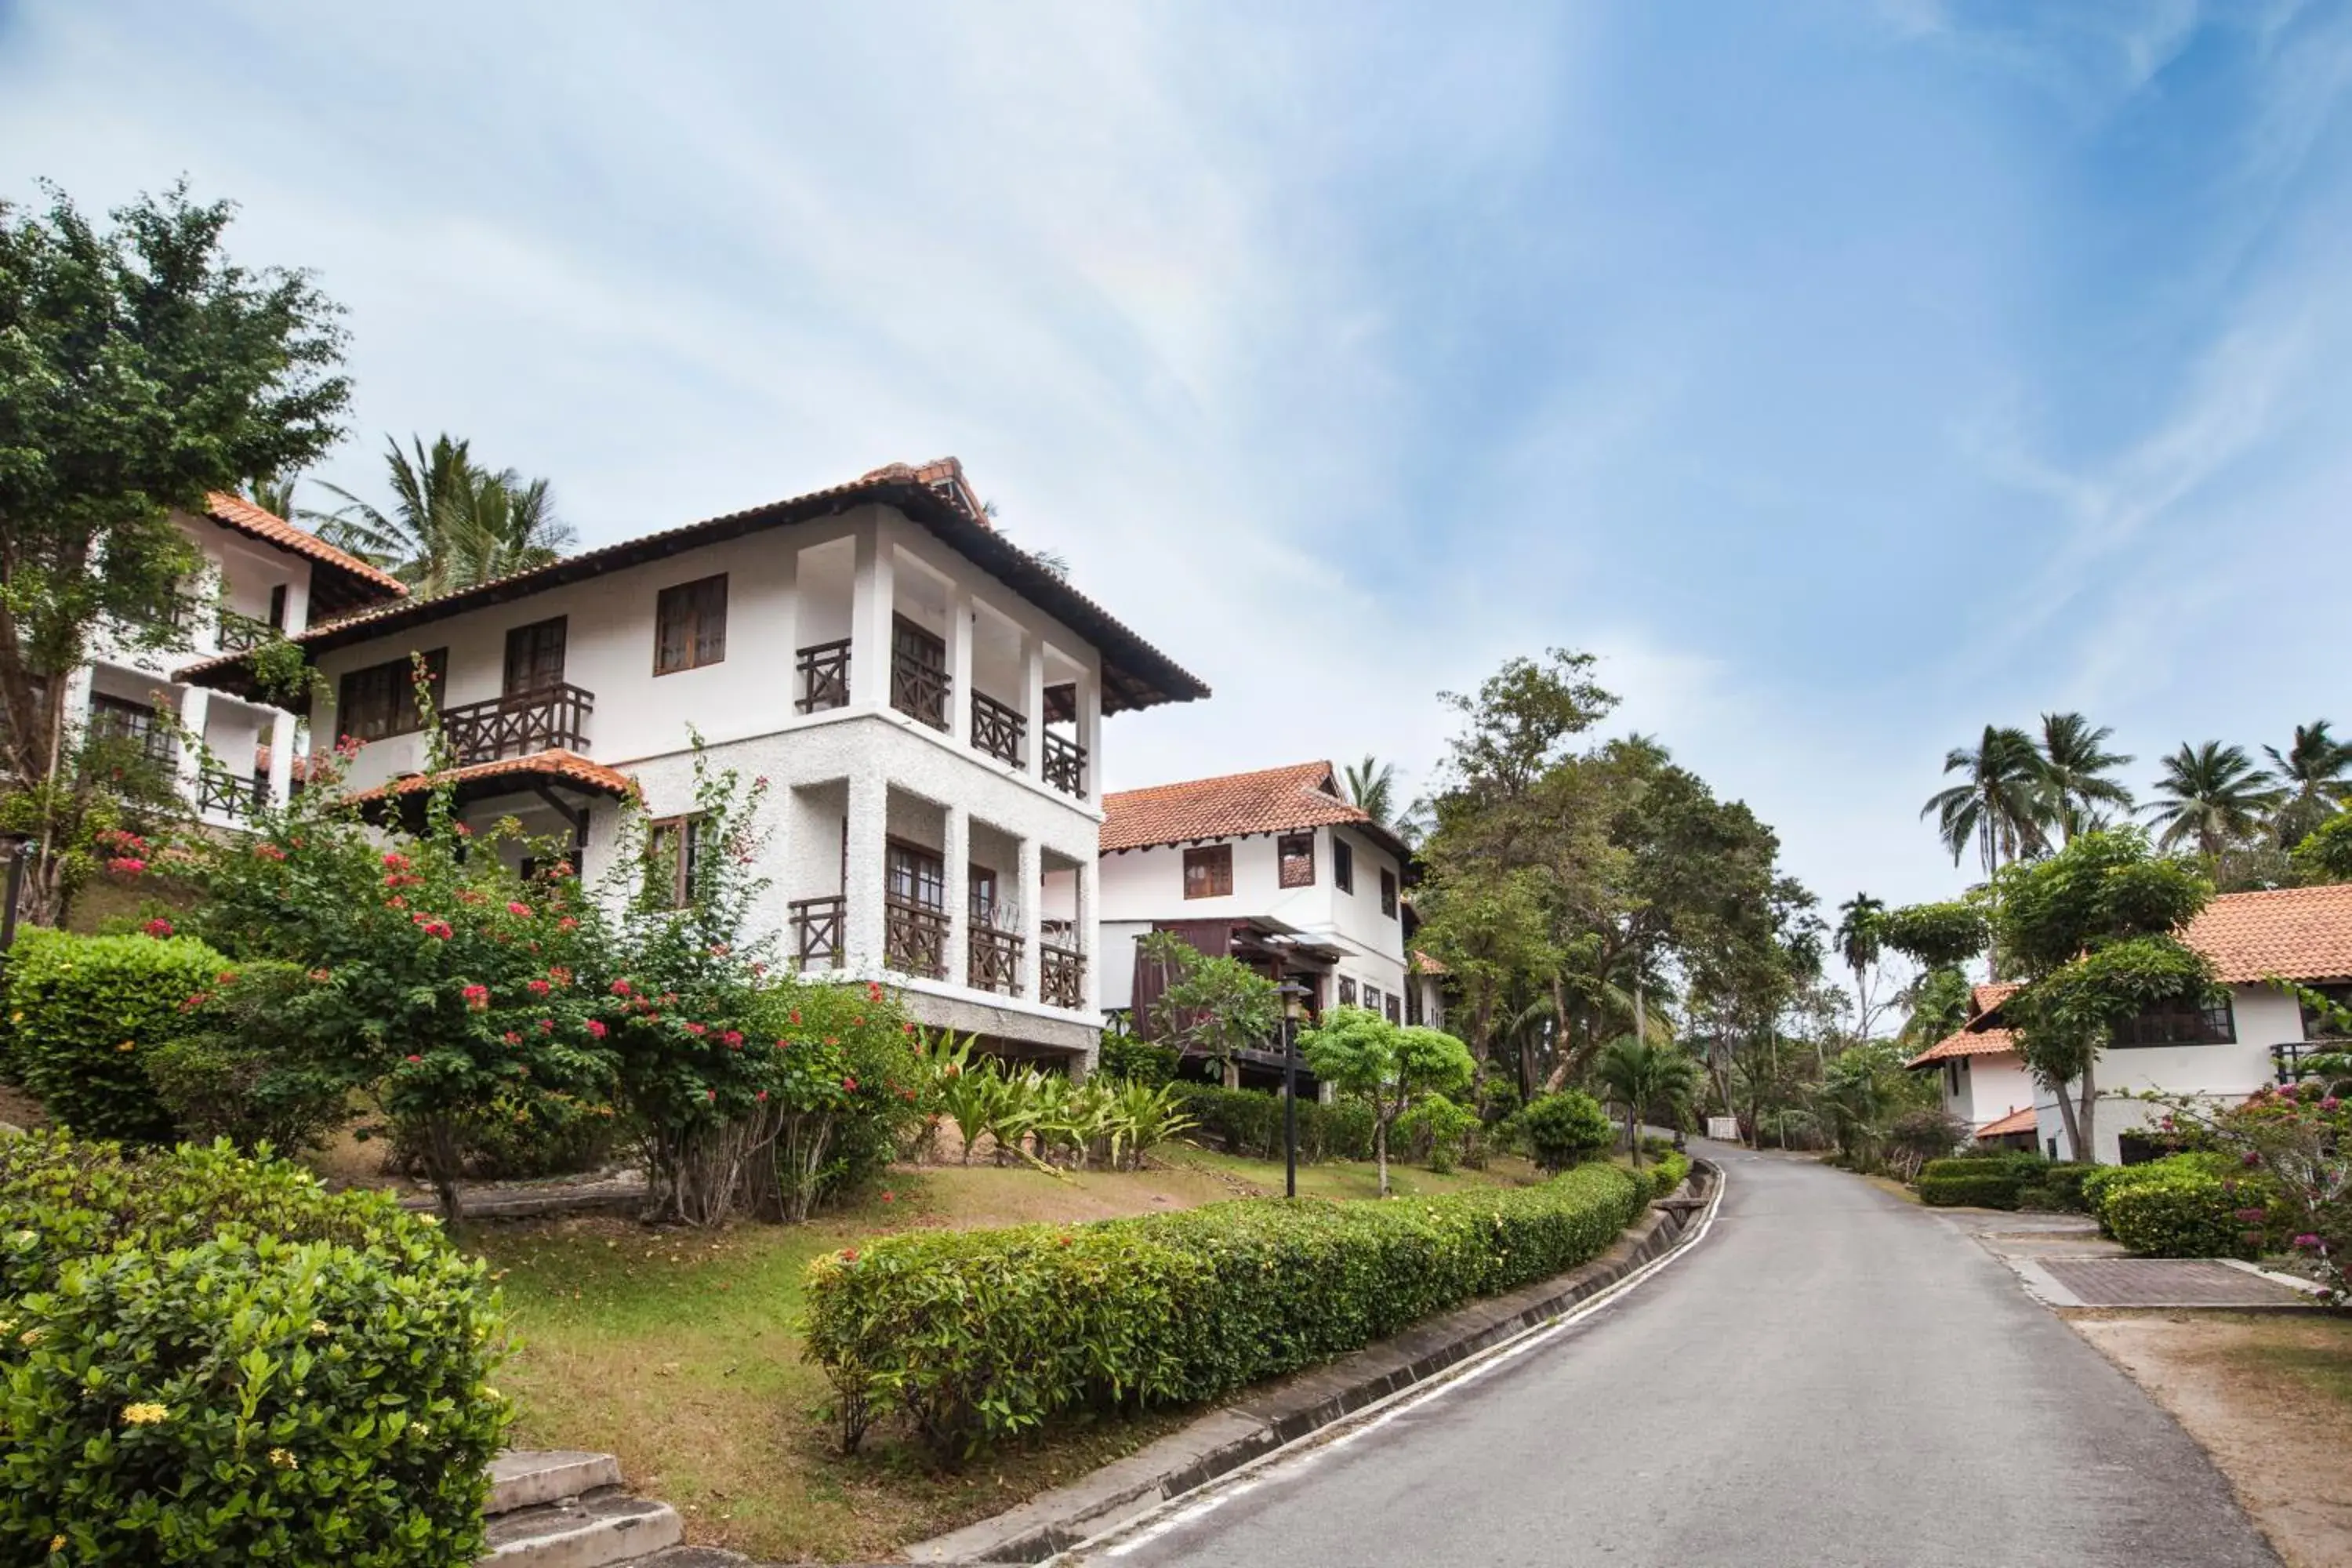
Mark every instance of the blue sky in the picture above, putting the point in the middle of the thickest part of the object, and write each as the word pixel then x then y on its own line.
pixel 1845 375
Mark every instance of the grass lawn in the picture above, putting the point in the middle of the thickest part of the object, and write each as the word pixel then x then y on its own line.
pixel 675 1351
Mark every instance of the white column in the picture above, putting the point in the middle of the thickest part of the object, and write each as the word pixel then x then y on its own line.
pixel 785 617
pixel 955 855
pixel 873 595
pixel 1086 932
pixel 196 706
pixel 1031 877
pixel 960 666
pixel 298 604
pixel 869 815
pixel 282 753
pixel 1032 702
pixel 1089 695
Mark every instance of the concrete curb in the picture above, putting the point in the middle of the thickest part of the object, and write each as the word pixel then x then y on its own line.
pixel 1281 1413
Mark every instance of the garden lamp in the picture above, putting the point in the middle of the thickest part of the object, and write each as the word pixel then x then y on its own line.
pixel 1294 997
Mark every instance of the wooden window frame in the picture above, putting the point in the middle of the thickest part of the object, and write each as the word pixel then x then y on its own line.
pixel 1347 992
pixel 1343 864
pixel 397 700
pixel 1388 892
pixel 1294 858
pixel 1395 1007
pixel 911 850
pixel 516 644
pixel 1371 994
pixel 697 644
pixel 685 832
pixel 277 608
pixel 2218 1026
pixel 1216 861
pixel 982 892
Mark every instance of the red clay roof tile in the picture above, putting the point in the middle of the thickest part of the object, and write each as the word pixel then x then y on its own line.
pixel 1274 800
pixel 232 511
pixel 557 764
pixel 2015 1121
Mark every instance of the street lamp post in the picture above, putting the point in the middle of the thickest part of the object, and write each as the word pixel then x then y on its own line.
pixel 1293 997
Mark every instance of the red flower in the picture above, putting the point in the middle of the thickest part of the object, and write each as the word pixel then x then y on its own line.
pixel 396 902
pixel 567 923
pixel 463 831
pixel 620 988
pixel 127 865
pixel 758 969
pixel 762 1095
pixel 320 976
pixel 796 1017
pixel 414 1060
pixel 850 1084
pixel 158 927
pixel 873 991
pixel 511 1038
pixel 269 851
pixel 719 950
pixel 857 1022
pixel 713 1094
pixel 697 1028
pixel 395 861
pixel 734 1038
pixel 905 1028
pixel 477 996
pixel 547 1026
pixel 849 1255
pixel 888 1197
pixel 596 1028
pixel 537 987
pixel 225 977
pixel 560 975
pixel 515 907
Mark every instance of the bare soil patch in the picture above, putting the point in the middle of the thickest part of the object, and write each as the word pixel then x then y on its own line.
pixel 2270 1397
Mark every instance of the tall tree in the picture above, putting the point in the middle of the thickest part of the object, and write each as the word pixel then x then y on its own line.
pixel 453 522
pixel 2212 795
pixel 2313 769
pixel 139 368
pixel 1645 1078
pixel 2075 764
pixel 2000 803
pixel 1860 944
pixel 1371 785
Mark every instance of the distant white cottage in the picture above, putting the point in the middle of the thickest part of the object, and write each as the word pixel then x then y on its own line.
pixel 2220 1053
pixel 924 698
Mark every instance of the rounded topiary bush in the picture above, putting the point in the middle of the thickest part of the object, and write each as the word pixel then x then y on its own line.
pixel 205 1358
pixel 2186 1214
pixel 83 1014
pixel 1566 1128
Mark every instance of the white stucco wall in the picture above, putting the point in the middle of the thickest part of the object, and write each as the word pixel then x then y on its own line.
pixel 1990 1087
pixel 2262 1017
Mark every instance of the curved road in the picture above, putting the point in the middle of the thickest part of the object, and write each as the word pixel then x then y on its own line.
pixel 1829 1378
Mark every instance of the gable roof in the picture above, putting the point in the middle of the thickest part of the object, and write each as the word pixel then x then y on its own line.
pixel 1135 673
pixel 352 582
pixel 556 766
pixel 2016 1121
pixel 1234 805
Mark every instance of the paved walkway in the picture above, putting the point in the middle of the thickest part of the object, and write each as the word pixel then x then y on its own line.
pixel 2065 1262
pixel 1830 1377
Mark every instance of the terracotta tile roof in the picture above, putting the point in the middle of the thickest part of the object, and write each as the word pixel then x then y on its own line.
pixel 2015 1121
pixel 231 511
pixel 1424 965
pixel 1983 999
pixel 570 766
pixel 1966 1043
pixel 2292 933
pixel 1274 800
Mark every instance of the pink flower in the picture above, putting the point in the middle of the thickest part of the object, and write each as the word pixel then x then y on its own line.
pixel 269 851
pixel 158 927
pixel 758 969
pixel 477 996
pixel 547 1026
pixel 719 950
pixel 396 862
pixel 414 1060
pixel 537 987
pixel 713 1095
pixel 2330 1103
pixel 511 1038
pixel 850 1084
pixel 517 908
pixel 695 1028
pixel 463 831
pixel 620 988
pixel 567 923
pixel 320 976
pixel 396 902
pixel 2308 1242
pixel 596 1028
pixel 734 1040
pixel 126 864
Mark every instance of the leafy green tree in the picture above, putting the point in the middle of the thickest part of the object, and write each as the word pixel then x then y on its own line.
pixel 1860 942
pixel 1387 1066
pixel 1212 1006
pixel 1647 1078
pixel 1938 1000
pixel 2092 933
pixel 2313 771
pixel 2075 763
pixel 1938 936
pixel 2212 795
pixel 1864 1090
pixel 453 522
pixel 2000 805
pixel 2325 853
pixel 139 368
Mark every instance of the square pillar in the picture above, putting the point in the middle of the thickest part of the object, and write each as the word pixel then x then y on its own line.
pixel 866 872
pixel 282 753
pixel 959 631
pixel 1031 874
pixel 1085 930
pixel 1032 702
pixel 195 707
pixel 1089 695
pixel 785 621
pixel 955 855
pixel 298 604
pixel 873 598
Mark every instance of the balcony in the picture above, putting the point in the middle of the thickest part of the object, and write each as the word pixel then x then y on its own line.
pixel 1066 766
pixel 550 717
pixel 819 930
pixel 223 792
pixel 240 633
pixel 914 939
pixel 995 960
pixel 996 729
pixel 1061 976
pixel 920 690
pixel 824 671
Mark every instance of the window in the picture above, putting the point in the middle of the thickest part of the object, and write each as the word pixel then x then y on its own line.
pixel 535 657
pixel 1296 854
pixel 674 859
pixel 917 876
pixel 1371 998
pixel 2178 1024
pixel 1413 1002
pixel 136 723
pixel 1347 992
pixel 983 896
pixel 1343 864
pixel 691 625
pixel 380 701
pixel 1952 1078
pixel 277 608
pixel 1209 871
pixel 1393 1006
pixel 2315 1024
pixel 1388 894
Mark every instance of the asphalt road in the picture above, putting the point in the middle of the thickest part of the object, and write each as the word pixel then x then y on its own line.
pixel 1829 1378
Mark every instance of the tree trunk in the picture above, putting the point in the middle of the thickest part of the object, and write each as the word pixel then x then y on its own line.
pixel 1381 1151
pixel 2087 1114
pixel 2067 1119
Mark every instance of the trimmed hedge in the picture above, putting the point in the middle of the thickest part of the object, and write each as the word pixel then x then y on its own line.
pixel 1985 1190
pixel 2186 1206
pixel 83 1014
pixel 1669 1173
pixel 1248 1122
pixel 2008 1180
pixel 209 1358
pixel 1566 1128
pixel 972 1336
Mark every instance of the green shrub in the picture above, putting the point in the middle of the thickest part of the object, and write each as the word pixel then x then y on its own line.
pixel 1566 1128
pixel 242 1074
pixel 1136 1060
pixel 1435 1130
pixel 1248 1122
pixel 2056 1188
pixel 86 1011
pixel 2186 1206
pixel 210 1359
pixel 2101 1181
pixel 1668 1174
pixel 1992 1190
pixel 973 1336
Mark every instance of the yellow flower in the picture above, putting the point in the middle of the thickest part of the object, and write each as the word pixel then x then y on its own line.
pixel 128 1046
pixel 18 1017
pixel 319 1326
pixel 144 1415
pixel 420 1428
pixel 283 1460
pixel 56 1542
pixel 29 1337
pixel 491 1394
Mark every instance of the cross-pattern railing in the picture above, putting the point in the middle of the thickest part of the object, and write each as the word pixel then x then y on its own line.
pixel 914 939
pixel 235 798
pixel 1061 976
pixel 823 676
pixel 156 741
pixel 1066 766
pixel 997 729
pixel 920 690
pixel 519 724
pixel 238 632
pixel 995 960
pixel 818 930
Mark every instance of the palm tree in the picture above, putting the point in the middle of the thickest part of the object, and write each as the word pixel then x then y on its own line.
pixel 1644 1077
pixel 272 493
pixel 1858 943
pixel 2000 807
pixel 2313 768
pixel 2212 794
pixel 453 522
pixel 2074 763
pixel 1371 785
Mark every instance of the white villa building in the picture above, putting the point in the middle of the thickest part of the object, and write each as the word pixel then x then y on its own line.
pixel 2220 1053
pixel 260 574
pixel 924 698
pixel 1271 868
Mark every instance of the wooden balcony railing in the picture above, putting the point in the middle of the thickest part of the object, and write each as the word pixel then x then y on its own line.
pixel 819 929
pixel 1066 766
pixel 920 690
pixel 1061 976
pixel 518 724
pixel 914 939
pixel 222 790
pixel 997 729
pixel 995 962
pixel 238 632
pixel 823 676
